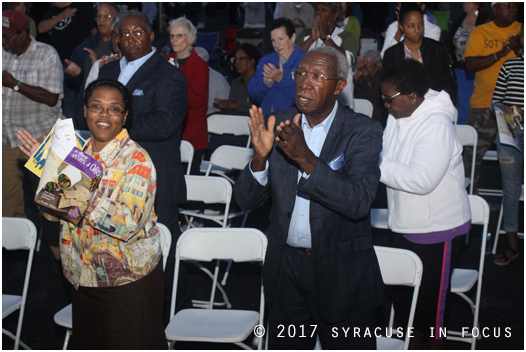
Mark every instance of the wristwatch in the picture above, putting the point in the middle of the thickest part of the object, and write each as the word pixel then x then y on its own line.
pixel 327 37
pixel 17 87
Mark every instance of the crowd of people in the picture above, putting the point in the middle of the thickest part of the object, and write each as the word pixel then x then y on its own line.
pixel 317 160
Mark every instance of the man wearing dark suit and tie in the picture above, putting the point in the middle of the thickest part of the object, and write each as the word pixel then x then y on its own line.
pixel 321 171
pixel 160 101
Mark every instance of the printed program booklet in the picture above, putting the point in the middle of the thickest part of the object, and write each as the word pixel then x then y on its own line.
pixel 507 126
pixel 69 175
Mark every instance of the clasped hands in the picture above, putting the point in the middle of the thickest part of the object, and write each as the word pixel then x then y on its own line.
pixel 290 138
pixel 320 28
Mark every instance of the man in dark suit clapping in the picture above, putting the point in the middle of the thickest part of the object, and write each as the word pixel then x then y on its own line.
pixel 160 101
pixel 320 167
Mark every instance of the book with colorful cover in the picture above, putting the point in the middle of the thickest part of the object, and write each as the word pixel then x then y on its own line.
pixel 69 176
pixel 35 164
pixel 507 126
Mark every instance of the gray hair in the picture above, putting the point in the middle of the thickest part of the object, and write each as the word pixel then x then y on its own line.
pixel 134 13
pixel 340 64
pixel 186 24
pixel 374 56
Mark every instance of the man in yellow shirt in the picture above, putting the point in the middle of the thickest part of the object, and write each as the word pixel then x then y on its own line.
pixel 488 47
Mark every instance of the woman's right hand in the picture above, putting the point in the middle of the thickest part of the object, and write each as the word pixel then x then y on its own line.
pixel 29 144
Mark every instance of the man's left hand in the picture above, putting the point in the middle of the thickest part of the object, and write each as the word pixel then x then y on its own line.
pixel 292 141
pixel 8 80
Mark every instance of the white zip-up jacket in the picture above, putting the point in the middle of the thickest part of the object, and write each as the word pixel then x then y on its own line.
pixel 421 165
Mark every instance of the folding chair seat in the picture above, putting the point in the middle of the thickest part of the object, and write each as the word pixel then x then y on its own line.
pixel 217 325
pixel 463 280
pixel 64 317
pixel 18 234
pixel 363 106
pixel 467 136
pixel 399 267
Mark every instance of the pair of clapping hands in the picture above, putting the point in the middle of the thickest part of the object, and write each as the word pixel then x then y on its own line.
pixel 290 138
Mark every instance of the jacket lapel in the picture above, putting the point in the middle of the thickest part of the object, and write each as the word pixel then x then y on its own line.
pixel 142 72
pixel 333 137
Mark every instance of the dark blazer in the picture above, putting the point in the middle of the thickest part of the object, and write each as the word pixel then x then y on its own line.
pixel 436 61
pixel 158 116
pixel 347 276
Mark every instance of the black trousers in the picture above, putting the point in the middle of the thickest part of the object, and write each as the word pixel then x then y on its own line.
pixel 121 317
pixel 294 320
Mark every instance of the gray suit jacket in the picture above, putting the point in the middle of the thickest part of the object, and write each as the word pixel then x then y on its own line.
pixel 347 275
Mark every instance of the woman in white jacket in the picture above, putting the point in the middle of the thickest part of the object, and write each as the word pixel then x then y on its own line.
pixel 421 165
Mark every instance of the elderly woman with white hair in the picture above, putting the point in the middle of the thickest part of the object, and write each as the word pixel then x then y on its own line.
pixel 182 35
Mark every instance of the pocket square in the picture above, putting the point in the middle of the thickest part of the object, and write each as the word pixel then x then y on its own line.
pixel 138 92
pixel 338 162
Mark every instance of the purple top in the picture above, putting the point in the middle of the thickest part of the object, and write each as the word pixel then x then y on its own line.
pixel 438 236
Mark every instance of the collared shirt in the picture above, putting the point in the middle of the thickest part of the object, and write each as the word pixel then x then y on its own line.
pixel 128 69
pixel 118 241
pixel 38 66
pixel 299 229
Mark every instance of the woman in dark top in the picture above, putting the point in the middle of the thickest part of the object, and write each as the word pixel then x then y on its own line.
pixel 428 51
pixel 239 102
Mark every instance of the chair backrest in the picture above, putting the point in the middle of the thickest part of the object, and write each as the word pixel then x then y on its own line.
pixel 401 267
pixel 19 233
pixel 252 36
pixel 208 41
pixel 207 244
pixel 230 157
pixel 363 106
pixel 229 124
pixel 187 154
pixel 467 136
pixel 208 189
pixel 166 242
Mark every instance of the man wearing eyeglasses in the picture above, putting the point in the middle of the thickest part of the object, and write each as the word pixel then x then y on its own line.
pixel 160 101
pixel 320 168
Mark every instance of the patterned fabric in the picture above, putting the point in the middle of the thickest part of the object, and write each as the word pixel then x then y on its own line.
pixel 39 66
pixel 460 40
pixel 118 241
pixel 409 55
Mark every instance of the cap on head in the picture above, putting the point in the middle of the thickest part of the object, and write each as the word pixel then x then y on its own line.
pixel 14 21
pixel 203 54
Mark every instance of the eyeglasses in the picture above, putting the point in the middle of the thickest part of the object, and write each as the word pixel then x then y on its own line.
pixel 136 34
pixel 316 78
pixel 178 36
pixel 113 111
pixel 102 17
pixel 388 99
pixel 9 36
pixel 242 58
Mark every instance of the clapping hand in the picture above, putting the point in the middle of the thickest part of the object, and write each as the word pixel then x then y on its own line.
pixel 92 55
pixel 271 73
pixel 73 69
pixel 262 137
pixel 292 141
pixel 29 144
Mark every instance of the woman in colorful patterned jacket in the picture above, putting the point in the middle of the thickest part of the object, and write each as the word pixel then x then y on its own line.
pixel 113 256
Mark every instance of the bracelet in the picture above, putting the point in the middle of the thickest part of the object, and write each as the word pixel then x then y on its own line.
pixel 495 56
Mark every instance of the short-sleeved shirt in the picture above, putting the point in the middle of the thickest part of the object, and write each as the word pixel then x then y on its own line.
pixel 118 242
pixel 69 33
pixel 38 66
pixel 485 40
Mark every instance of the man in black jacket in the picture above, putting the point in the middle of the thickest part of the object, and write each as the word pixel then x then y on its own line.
pixel 160 101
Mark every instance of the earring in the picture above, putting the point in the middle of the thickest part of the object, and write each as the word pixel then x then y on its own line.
pixel 414 100
pixel 477 13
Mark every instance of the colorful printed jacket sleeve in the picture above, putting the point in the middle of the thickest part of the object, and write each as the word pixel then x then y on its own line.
pixel 121 205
